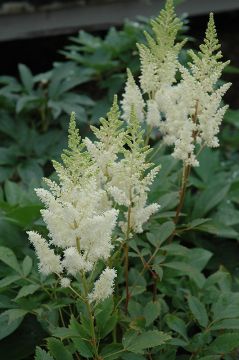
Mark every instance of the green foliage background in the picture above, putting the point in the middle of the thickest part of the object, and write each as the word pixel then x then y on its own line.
pixel 198 305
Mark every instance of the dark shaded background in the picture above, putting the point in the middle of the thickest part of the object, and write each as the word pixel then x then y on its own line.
pixel 40 53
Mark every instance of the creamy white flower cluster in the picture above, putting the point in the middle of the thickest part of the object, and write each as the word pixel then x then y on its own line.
pixel 95 180
pixel 159 64
pixel 103 287
pixel 120 157
pixel 192 108
pixel 79 218
pixel 188 113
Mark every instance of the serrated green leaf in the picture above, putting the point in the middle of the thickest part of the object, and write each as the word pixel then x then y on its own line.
pixel 27 265
pixel 177 324
pixel 26 77
pixel 188 270
pixel 27 290
pixel 132 356
pixel 228 324
pixel 64 333
pixel 137 343
pixel 210 198
pixel 152 312
pixel 13 192
pixel 111 351
pixel 9 280
pixel 161 234
pixel 14 314
pixel 58 350
pixel 224 343
pixel 9 258
pixel 198 310
pixel 210 357
pixel 6 328
pixel 42 354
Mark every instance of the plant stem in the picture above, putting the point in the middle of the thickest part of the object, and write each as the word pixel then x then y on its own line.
pixel 91 318
pixel 149 130
pixel 186 173
pixel 126 260
pixel 126 265
pixel 182 192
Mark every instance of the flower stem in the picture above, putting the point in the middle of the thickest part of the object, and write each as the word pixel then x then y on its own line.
pixel 148 133
pixel 91 318
pixel 182 192
pixel 126 260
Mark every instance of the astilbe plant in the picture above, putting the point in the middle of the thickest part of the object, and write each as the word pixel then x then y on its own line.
pixel 100 204
pixel 97 181
pixel 188 112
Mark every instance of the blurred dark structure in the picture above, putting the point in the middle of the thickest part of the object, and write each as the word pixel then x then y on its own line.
pixel 34 18
pixel 32 32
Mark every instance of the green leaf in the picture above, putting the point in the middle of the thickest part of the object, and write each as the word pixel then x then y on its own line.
pixel 26 77
pixel 8 156
pixel 210 198
pixel 106 318
pixel 81 342
pixel 64 333
pixel 8 257
pixel 27 290
pixel 58 350
pixel 218 229
pixel 26 100
pixel 176 324
pixel 14 314
pixel 132 356
pixel 198 258
pixel 229 324
pixel 27 265
pixel 195 223
pixel 188 270
pixel 24 216
pixel 12 192
pixel 111 351
pixel 9 280
pixel 6 328
pixel 42 354
pixel 137 343
pixel 210 357
pixel 198 310
pixel 204 171
pixel 226 306
pixel 29 169
pixel 5 302
pixel 168 201
pixel 224 343
pixel 161 234
pixel 152 311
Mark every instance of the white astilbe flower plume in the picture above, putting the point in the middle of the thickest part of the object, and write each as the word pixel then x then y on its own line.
pixel 149 77
pixel 141 213
pixel 65 282
pixel 78 216
pixel 192 108
pixel 128 183
pixel 188 112
pixel 103 287
pixel 49 262
pixel 159 61
pixel 132 97
pixel 110 140
pixel 74 262
pixel 153 116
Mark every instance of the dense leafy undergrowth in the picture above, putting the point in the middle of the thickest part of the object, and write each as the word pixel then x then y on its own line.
pixel 184 294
